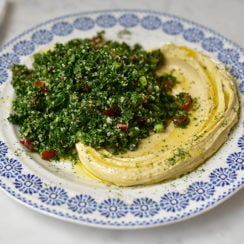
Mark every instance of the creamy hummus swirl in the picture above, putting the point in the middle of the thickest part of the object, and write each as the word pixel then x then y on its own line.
pixel 176 151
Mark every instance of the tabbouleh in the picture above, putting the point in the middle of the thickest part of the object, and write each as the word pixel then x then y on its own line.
pixel 101 92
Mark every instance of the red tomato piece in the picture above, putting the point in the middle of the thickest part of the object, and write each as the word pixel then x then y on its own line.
pixel 41 84
pixel 180 121
pixel 167 84
pixel 38 83
pixel 111 112
pixel 86 88
pixel 27 143
pixel 123 126
pixel 187 104
pixel 96 40
pixel 49 154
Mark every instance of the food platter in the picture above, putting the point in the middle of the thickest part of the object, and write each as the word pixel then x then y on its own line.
pixel 53 189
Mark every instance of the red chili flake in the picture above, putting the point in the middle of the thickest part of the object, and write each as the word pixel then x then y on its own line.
pixel 123 126
pixel 49 154
pixel 27 143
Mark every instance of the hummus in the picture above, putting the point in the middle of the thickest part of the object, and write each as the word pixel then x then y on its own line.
pixel 177 151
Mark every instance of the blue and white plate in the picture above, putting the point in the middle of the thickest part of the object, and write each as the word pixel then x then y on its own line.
pixel 53 189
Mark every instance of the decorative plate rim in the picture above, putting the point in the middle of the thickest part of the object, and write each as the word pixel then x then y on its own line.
pixel 29 188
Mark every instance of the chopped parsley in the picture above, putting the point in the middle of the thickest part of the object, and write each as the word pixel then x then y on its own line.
pixel 179 154
pixel 101 92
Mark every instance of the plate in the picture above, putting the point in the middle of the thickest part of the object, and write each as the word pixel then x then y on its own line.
pixel 53 188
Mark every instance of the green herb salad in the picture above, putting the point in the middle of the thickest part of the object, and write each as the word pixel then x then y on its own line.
pixel 100 92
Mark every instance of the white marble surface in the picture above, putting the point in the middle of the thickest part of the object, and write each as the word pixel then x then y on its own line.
pixel 223 224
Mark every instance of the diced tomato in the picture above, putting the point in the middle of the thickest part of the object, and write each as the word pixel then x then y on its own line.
pixel 95 40
pixel 133 58
pixel 86 88
pixel 123 126
pixel 141 120
pixel 41 84
pixel 145 99
pixel 167 84
pixel 44 89
pixel 27 143
pixel 49 154
pixel 186 103
pixel 113 111
pixel 180 121
pixel 38 83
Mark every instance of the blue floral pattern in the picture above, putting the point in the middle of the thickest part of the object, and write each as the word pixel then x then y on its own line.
pixel 173 27
pixel 228 56
pixel 212 44
pixel 200 191
pixel 222 176
pixel 7 59
pixel 151 22
pixel 3 76
pixel 241 142
pixel 42 37
pixel 62 28
pixel 3 148
pixel 28 184
pixel 236 160
pixel 193 35
pixel 53 195
pixel 106 21
pixel 144 207
pixel 241 87
pixel 9 167
pixel 84 23
pixel 140 210
pixel 24 48
pixel 129 20
pixel 113 208
pixel 82 204
pixel 237 70
pixel 174 202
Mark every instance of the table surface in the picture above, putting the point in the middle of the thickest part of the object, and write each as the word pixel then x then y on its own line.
pixel 223 224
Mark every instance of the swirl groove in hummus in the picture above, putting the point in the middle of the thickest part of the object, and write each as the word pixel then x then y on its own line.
pixel 176 151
